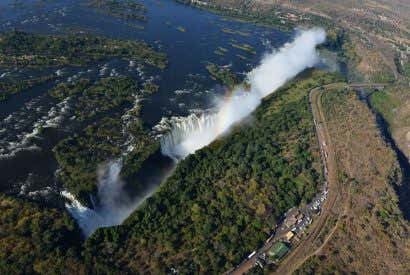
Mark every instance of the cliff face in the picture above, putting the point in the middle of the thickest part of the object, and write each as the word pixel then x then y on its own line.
pixel 371 232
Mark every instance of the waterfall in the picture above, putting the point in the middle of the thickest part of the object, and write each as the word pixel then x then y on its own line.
pixel 189 134
pixel 114 204
pixel 185 135
pixel 176 143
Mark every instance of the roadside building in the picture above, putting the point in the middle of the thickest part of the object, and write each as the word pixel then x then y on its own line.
pixel 291 219
pixel 278 251
pixel 299 217
pixel 289 236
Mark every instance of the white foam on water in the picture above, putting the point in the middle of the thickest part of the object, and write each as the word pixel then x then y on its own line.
pixel 191 133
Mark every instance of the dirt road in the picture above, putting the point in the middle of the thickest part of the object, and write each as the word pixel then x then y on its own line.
pixel 303 250
pixel 335 204
pixel 300 251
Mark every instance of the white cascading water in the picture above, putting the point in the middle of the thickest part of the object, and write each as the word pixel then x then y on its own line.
pixel 174 144
pixel 114 207
pixel 194 132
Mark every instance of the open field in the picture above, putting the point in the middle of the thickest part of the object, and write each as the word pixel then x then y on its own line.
pixel 372 235
pixel 379 31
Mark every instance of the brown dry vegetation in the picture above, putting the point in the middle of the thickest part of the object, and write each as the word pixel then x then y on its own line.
pixel 372 236
pixel 388 19
pixel 379 30
pixel 393 104
pixel 375 67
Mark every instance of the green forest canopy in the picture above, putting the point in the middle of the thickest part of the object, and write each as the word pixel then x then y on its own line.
pixel 220 204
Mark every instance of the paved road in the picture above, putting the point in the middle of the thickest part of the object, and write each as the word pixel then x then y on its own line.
pixel 304 249
pixel 324 142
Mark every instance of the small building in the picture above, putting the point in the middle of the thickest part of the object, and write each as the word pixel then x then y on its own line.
pixel 291 221
pixel 289 236
pixel 291 218
pixel 278 251
pixel 299 217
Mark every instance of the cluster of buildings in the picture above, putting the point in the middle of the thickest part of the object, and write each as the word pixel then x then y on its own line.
pixel 291 230
pixel 295 222
pixel 294 225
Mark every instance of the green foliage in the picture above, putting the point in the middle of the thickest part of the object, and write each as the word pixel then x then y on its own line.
pixel 150 87
pixel 245 47
pixel 384 104
pixel 126 9
pixel 79 156
pixel 101 97
pixel 100 106
pixel 270 15
pixel 143 147
pixel 10 86
pixel 223 74
pixel 34 50
pixel 340 41
pixel 31 236
pixel 104 96
pixel 220 203
pixel 242 10
pixel 223 201
pixel 64 90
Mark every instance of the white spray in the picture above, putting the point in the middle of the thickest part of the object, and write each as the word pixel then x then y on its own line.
pixel 196 131
pixel 275 69
pixel 114 207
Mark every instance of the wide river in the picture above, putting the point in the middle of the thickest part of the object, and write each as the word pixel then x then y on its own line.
pixel 188 36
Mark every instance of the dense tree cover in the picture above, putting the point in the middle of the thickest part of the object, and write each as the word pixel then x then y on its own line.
pixel 223 74
pixel 36 239
pixel 101 97
pixel 340 41
pixel 100 105
pixel 35 50
pixel 78 156
pixel 271 15
pixel 40 51
pixel 70 89
pixel 11 85
pixel 219 205
pixel 126 9
pixel 143 147
pixel 150 87
pixel 223 201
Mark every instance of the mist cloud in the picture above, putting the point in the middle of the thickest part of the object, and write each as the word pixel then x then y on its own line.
pixel 114 203
pixel 275 69
pixel 196 131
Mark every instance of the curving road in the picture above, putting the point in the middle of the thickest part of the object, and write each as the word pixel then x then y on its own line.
pixel 307 247
pixel 303 249
pixel 330 209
